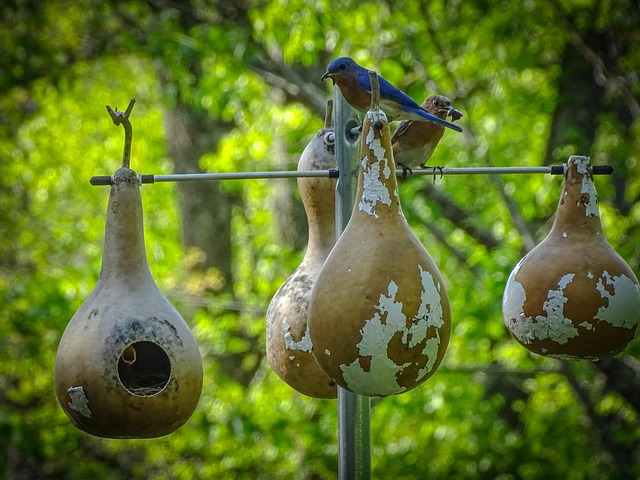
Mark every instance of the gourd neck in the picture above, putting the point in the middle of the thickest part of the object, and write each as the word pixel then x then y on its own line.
pixel 578 210
pixel 377 192
pixel 319 197
pixel 322 224
pixel 124 258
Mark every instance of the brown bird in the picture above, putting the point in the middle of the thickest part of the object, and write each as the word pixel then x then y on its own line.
pixel 414 142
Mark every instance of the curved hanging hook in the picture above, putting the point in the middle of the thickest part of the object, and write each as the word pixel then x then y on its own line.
pixel 122 118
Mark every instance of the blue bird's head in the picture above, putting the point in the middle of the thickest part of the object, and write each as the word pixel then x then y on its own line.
pixel 340 68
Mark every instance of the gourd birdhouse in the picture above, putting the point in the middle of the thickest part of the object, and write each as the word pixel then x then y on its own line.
pixel 573 296
pixel 379 315
pixel 288 341
pixel 127 365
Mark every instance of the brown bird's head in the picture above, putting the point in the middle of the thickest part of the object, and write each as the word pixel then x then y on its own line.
pixel 440 106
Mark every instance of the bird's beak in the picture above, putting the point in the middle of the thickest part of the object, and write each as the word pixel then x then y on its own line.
pixel 326 75
pixel 454 114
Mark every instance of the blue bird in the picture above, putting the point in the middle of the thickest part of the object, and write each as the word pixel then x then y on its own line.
pixel 355 86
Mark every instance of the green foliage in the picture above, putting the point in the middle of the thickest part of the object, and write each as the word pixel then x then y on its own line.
pixel 492 411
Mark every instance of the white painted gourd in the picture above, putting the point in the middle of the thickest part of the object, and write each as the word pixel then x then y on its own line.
pixel 127 365
pixel 573 296
pixel 379 315
pixel 288 341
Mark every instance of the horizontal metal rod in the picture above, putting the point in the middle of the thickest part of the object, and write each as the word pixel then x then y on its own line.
pixel 334 173
pixel 190 177
pixel 551 170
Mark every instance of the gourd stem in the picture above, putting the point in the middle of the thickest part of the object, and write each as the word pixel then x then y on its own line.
pixel 375 90
pixel 122 118
pixel 328 114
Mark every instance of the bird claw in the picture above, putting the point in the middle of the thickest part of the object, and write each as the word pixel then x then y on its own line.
pixel 438 167
pixel 405 170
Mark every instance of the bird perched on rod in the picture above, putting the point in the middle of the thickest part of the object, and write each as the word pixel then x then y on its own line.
pixel 414 142
pixel 355 86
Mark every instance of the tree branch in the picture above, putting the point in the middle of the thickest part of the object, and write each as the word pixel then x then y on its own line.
pixel 460 217
pixel 620 454
pixel 620 84
pixel 457 253
pixel 471 139
pixel 289 80
pixel 518 220
pixel 619 375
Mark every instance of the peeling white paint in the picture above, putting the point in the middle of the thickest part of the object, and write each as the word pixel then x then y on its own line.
pixel 327 352
pixel 588 187
pixel 582 165
pixel 624 304
pixel 431 351
pixel 378 331
pixel 517 268
pixel 430 308
pixel 586 325
pixel 566 356
pixel 564 234
pixel 304 344
pixel 554 326
pixel 513 307
pixel 374 190
pixel 79 402
pixel 372 142
pixel 380 379
pixel 386 171
pixel 514 296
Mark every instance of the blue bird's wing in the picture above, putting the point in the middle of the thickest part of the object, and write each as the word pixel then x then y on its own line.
pixel 391 95
pixel 387 90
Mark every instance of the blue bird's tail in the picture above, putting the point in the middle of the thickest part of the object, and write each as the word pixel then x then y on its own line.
pixel 439 121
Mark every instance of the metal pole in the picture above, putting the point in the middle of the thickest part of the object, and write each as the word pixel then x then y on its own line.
pixel 354 433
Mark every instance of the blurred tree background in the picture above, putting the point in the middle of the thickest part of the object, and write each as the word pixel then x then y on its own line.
pixel 234 86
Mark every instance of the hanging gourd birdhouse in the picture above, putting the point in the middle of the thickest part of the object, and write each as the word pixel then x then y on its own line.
pixel 127 365
pixel 379 315
pixel 288 341
pixel 573 296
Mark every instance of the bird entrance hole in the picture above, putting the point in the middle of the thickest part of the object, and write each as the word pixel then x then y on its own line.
pixel 144 369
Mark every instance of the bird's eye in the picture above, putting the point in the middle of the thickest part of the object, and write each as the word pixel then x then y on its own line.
pixel 329 138
pixel 342 67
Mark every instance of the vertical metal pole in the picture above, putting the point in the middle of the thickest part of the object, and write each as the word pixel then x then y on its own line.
pixel 354 433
